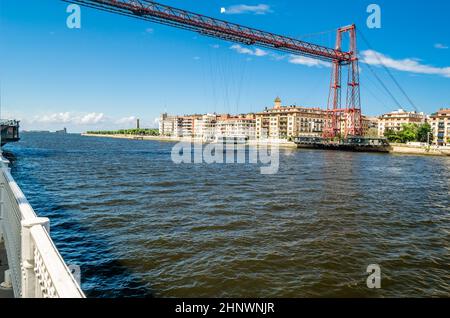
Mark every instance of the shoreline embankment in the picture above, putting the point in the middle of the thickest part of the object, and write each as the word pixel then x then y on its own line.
pixel 420 150
pixel 280 143
pixel 400 149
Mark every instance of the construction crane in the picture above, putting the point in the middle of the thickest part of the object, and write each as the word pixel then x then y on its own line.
pixel 341 121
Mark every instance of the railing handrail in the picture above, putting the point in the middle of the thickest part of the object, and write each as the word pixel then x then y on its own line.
pixel 62 279
pixel 26 210
pixel 35 243
pixel 11 122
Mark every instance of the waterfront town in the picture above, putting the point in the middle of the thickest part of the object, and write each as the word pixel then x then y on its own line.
pixel 287 122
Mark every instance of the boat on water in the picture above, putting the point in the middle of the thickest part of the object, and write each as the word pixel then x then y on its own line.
pixel 357 144
pixel 9 131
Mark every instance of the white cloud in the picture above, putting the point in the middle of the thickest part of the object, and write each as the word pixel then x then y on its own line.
pixel 215 46
pixel 441 46
pixel 126 120
pixel 369 57
pixel 74 121
pixel 149 30
pixel 259 9
pixel 293 59
pixel 406 65
pixel 307 61
pixel 259 52
pixel 244 50
pixel 91 118
pixel 69 118
pixel 53 118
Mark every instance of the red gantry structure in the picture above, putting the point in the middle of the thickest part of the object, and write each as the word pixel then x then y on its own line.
pixel 341 122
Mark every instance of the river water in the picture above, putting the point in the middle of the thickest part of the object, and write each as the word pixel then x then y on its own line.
pixel 141 226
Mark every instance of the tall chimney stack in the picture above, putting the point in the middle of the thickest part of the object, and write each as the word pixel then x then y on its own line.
pixel 138 124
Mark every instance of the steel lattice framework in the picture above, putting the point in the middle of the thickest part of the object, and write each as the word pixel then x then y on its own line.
pixel 341 121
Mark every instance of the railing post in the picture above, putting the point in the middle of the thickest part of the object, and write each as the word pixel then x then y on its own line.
pixel 28 274
pixel 7 284
pixel 2 213
pixel 7 273
pixel 3 165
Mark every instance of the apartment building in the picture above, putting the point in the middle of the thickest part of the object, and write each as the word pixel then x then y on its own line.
pixel 243 126
pixel 282 122
pixel 205 127
pixel 279 122
pixel 208 127
pixel 440 126
pixel 186 126
pixel 166 124
pixel 177 126
pixel 396 119
pixel 369 124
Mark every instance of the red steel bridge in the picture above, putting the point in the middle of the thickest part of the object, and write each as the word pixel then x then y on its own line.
pixel 342 120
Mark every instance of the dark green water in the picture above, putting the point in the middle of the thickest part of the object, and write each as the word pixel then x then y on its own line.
pixel 139 225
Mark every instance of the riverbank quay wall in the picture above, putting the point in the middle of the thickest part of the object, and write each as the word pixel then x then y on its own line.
pixel 282 143
pixel 35 267
pixel 420 150
pixel 396 148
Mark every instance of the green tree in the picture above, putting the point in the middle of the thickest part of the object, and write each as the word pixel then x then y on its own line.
pixel 407 133
pixel 138 132
pixel 391 135
pixel 423 131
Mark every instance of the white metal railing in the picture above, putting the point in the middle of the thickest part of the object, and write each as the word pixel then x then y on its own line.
pixel 36 269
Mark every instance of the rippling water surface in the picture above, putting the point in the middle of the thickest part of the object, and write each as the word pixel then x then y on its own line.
pixel 140 225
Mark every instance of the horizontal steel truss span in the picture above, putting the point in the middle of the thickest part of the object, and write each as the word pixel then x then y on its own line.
pixel 163 14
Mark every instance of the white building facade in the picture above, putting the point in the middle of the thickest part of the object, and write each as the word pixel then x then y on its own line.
pixel 239 127
pixel 205 127
pixel 176 126
pixel 440 127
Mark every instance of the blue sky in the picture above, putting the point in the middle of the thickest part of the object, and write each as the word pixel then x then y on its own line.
pixel 115 68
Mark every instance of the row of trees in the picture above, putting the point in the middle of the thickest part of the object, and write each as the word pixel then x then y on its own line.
pixel 410 133
pixel 137 132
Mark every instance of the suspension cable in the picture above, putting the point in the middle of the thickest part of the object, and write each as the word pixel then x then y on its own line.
pixel 388 71
pixel 384 86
